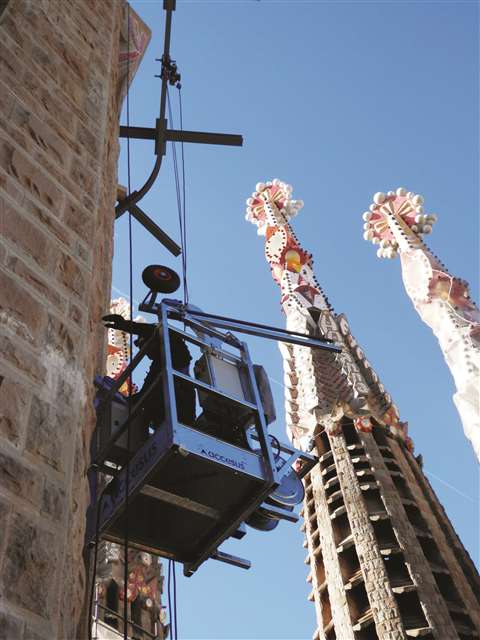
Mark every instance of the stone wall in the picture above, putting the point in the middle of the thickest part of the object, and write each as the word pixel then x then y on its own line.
pixel 60 89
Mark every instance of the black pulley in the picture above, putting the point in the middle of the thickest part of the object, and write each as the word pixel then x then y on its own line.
pixel 160 279
pixel 289 493
pixel 260 520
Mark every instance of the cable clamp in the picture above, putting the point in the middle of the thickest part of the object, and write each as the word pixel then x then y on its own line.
pixel 170 71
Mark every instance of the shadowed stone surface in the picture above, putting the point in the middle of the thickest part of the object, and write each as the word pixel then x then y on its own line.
pixel 61 85
pixel 26 576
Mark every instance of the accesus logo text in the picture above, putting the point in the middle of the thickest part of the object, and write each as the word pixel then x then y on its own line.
pixel 238 464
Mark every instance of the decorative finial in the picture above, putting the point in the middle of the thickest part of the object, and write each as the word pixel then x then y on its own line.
pixel 392 215
pixel 260 211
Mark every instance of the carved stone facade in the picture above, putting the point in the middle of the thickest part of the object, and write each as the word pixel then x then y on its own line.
pixel 145 612
pixel 385 562
pixel 62 78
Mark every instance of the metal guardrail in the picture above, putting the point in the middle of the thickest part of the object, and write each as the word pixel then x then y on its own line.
pixel 120 617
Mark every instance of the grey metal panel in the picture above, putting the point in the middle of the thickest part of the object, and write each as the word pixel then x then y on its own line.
pixel 213 390
pixel 223 453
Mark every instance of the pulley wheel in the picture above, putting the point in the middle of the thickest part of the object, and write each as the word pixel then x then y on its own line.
pixel 259 520
pixel 290 492
pixel 160 279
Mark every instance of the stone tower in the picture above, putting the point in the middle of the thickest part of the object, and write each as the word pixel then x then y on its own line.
pixel 396 222
pixel 385 562
pixel 63 75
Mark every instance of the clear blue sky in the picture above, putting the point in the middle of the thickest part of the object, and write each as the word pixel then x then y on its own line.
pixel 341 99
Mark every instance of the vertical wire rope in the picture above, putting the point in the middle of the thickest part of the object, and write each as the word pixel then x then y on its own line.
pixel 130 381
pixel 170 616
pixel 179 202
pixel 175 600
pixel 185 254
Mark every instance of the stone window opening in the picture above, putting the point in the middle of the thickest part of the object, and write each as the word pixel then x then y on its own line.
pixel 361 611
pixel 329 472
pixel 432 554
pixel 415 517
pixel 111 602
pixel 350 567
pixel 327 621
pixel 322 442
pixel 350 434
pixel 361 462
pixel 411 610
pixel 402 487
pixel 392 465
pixel 370 633
pixel 397 570
pixel 380 436
pixel 447 588
pixel 320 570
pixel 385 535
pixel 332 488
pixel 456 606
pixel 341 528
pixel 373 501
pixel 335 500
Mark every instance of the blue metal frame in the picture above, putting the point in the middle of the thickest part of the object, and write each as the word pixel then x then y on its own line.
pixel 172 436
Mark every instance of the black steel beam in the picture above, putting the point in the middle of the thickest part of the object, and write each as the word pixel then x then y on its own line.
pixel 155 230
pixel 176 135
pixel 140 133
pixel 228 558
pixel 203 137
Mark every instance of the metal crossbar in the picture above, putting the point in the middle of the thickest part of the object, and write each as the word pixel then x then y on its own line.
pixel 117 615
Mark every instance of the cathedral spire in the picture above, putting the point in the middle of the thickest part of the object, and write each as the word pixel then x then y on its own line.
pixel 396 222
pixel 384 560
pixel 330 386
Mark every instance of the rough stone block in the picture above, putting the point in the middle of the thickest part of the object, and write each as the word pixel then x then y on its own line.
pixel 71 276
pixel 31 634
pixel 62 338
pixel 22 359
pixel 37 134
pixel 39 93
pixel 68 56
pixel 7 103
pixel 20 312
pixel 53 501
pixel 11 628
pixel 37 282
pixel 90 143
pixel 81 174
pixel 11 68
pixel 5 508
pixel 27 577
pixel 46 433
pixel 14 406
pixel 36 182
pixel 79 219
pixel 9 186
pixel 19 479
pixel 77 314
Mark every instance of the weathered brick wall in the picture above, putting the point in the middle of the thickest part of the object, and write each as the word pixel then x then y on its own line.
pixel 59 102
